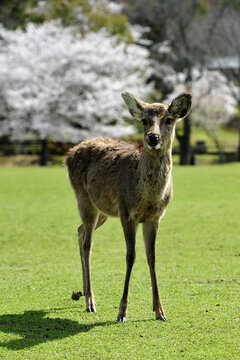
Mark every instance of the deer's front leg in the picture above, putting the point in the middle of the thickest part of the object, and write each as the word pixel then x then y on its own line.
pixel 150 235
pixel 129 228
pixel 87 248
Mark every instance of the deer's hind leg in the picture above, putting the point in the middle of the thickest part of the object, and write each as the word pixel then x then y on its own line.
pixel 91 219
pixel 101 219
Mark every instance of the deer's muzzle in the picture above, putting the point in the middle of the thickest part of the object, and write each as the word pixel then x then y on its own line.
pixel 152 139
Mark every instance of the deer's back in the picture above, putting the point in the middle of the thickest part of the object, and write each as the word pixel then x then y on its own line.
pixel 95 167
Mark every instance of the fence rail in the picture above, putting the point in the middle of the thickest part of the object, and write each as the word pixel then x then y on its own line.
pixel 35 148
pixel 32 148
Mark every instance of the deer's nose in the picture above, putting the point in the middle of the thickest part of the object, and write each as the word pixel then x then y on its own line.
pixel 152 139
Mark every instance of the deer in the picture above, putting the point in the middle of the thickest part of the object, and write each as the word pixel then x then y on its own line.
pixel 112 178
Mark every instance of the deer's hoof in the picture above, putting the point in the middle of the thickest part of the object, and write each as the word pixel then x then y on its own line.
pixel 91 309
pixel 161 317
pixel 121 318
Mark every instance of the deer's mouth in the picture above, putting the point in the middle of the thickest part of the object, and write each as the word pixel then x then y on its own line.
pixel 156 147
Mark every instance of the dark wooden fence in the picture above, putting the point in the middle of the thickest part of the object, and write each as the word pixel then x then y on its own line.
pixel 41 151
pixel 47 150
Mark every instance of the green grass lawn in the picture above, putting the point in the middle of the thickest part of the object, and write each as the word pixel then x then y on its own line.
pixel 198 266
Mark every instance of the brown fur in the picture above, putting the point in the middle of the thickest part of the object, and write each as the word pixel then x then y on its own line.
pixel 113 178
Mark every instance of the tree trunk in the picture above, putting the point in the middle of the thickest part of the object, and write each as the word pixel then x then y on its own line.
pixel 44 152
pixel 184 139
pixel 184 142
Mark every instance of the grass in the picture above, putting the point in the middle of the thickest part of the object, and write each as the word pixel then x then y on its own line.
pixel 198 265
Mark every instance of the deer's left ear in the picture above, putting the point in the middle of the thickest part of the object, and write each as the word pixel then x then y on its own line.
pixel 135 105
pixel 181 106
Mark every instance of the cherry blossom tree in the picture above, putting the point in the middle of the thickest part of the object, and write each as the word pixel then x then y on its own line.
pixel 57 83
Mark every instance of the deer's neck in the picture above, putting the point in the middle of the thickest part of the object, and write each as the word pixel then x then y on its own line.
pixel 154 172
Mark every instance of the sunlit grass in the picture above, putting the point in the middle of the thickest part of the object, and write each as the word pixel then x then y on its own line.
pixel 198 265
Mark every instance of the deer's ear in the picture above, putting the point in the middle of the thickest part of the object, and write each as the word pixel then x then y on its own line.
pixel 181 106
pixel 135 105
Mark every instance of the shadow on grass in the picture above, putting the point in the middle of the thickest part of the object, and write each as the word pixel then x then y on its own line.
pixel 34 328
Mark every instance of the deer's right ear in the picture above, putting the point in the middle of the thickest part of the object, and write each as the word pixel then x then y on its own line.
pixel 135 105
pixel 181 106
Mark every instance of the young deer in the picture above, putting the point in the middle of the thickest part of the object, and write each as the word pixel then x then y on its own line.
pixel 113 178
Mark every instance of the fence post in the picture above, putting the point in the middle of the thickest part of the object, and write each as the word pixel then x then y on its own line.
pixel 44 152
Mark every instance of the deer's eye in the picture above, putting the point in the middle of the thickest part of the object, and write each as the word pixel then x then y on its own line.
pixel 168 121
pixel 144 121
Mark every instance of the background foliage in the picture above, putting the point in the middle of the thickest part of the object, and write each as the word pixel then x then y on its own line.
pixel 171 45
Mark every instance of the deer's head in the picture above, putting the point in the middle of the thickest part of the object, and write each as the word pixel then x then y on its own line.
pixel 159 120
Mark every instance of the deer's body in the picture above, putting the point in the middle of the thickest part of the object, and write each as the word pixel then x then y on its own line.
pixel 113 178
pixel 119 177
